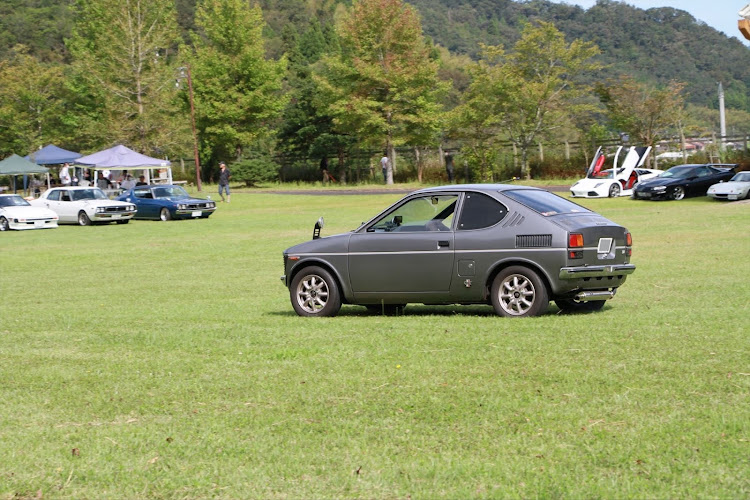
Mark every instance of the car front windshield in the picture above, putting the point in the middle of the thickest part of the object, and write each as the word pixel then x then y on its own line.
pixel 13 201
pixel 678 172
pixel 741 177
pixel 88 194
pixel 170 192
pixel 605 174
pixel 544 202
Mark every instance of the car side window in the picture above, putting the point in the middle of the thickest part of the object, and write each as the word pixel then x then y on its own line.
pixel 65 196
pixel 480 211
pixel 54 195
pixel 426 213
pixel 142 193
pixel 702 172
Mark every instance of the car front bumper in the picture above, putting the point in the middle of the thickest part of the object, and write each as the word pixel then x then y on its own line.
pixel 24 224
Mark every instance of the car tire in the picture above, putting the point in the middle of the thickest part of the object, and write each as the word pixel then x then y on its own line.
pixel 314 292
pixel 4 224
pixel 614 190
pixel 519 292
pixel 165 214
pixel 572 306
pixel 678 193
pixel 83 219
pixel 123 221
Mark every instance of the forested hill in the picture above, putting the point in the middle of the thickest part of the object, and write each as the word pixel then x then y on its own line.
pixel 658 44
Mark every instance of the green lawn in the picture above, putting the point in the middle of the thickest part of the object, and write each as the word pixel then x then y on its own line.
pixel 163 360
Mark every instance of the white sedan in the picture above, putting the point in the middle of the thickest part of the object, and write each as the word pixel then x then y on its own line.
pixel 17 213
pixel 737 188
pixel 84 206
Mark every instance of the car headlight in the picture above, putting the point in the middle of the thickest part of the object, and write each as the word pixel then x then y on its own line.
pixel 100 210
pixel 132 208
pixel 181 207
pixel 212 205
pixel 659 188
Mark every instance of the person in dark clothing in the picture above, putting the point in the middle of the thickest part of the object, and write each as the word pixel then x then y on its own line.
pixel 449 165
pixel 324 170
pixel 224 176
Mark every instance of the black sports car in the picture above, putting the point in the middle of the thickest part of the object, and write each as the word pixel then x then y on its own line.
pixel 683 180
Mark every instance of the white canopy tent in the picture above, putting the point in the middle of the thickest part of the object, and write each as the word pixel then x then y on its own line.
pixel 123 158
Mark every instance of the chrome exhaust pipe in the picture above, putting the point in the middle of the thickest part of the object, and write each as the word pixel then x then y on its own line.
pixel 588 296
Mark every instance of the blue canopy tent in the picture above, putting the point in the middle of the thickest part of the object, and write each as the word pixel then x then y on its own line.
pixel 123 158
pixel 52 155
pixel 15 165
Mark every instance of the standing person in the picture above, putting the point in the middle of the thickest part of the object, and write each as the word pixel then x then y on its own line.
pixel 384 165
pixel 449 165
pixel 65 175
pixel 324 168
pixel 224 176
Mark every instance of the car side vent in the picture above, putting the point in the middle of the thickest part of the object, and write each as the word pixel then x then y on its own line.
pixel 515 219
pixel 533 240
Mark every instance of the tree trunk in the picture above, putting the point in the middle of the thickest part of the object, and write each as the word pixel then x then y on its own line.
pixel 342 168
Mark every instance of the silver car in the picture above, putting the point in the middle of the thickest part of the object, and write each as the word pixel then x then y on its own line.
pixel 513 247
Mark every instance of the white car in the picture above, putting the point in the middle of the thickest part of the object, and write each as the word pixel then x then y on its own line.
pixel 84 206
pixel 618 180
pixel 736 188
pixel 17 213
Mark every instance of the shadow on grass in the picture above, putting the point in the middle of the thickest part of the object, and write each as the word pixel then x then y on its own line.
pixel 432 310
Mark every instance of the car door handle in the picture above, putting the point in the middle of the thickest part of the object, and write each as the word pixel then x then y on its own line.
pixel 443 244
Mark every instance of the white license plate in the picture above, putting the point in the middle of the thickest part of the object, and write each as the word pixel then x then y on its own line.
pixel 645 195
pixel 605 245
pixel 197 213
pixel 732 197
pixel 38 223
pixel 116 216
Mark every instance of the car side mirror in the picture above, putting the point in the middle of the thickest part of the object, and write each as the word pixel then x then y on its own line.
pixel 398 219
pixel 318 226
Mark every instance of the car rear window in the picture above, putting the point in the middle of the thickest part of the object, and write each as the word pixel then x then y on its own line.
pixel 544 202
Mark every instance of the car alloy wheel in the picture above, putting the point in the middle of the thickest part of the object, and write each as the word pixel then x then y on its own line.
pixel 83 219
pixel 165 215
pixel 314 292
pixel 614 190
pixel 4 224
pixel 678 193
pixel 518 292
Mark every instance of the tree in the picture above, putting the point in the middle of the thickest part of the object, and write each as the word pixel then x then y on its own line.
pixel 383 85
pixel 32 105
pixel 643 111
pixel 528 92
pixel 124 55
pixel 237 91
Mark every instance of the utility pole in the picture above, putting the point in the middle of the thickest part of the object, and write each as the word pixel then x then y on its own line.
pixel 722 117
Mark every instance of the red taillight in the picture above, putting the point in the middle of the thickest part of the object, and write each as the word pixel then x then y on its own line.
pixel 575 240
pixel 629 239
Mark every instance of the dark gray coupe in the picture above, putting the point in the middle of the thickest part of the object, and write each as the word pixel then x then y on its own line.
pixel 513 247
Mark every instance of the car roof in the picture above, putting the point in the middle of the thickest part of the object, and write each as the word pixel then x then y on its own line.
pixel 485 188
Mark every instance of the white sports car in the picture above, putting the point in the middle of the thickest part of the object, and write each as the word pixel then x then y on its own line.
pixel 737 188
pixel 84 206
pixel 17 213
pixel 616 181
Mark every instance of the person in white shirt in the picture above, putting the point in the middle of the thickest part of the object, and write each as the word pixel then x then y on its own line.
pixel 384 166
pixel 65 175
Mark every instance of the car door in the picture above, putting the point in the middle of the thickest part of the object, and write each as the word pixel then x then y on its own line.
pixel 148 207
pixel 704 178
pixel 409 250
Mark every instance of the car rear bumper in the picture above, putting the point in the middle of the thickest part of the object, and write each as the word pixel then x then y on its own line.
pixel 568 273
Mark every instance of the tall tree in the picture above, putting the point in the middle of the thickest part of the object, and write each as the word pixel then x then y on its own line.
pixel 529 91
pixel 237 90
pixel 383 85
pixel 32 105
pixel 124 51
pixel 644 111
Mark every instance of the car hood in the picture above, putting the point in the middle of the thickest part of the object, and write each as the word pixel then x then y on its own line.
pixel 102 203
pixel 591 182
pixel 729 185
pixel 28 212
pixel 660 181
pixel 335 243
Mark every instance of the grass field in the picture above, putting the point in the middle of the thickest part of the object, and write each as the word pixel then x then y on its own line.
pixel 163 360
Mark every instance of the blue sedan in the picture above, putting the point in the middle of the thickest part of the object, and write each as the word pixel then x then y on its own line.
pixel 167 202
